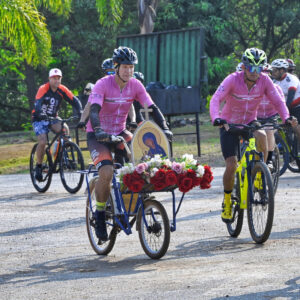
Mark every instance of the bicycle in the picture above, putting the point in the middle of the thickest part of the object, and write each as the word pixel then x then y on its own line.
pixel 152 222
pixel 287 142
pixel 253 189
pixel 67 160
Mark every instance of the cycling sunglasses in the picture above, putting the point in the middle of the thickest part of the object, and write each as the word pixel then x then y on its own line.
pixel 253 69
pixel 110 73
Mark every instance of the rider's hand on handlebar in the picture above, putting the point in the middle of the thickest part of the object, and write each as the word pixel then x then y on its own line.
pixel 81 125
pixel 101 135
pixel 219 122
pixel 291 121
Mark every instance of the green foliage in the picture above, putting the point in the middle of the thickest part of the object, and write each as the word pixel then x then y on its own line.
pixel 110 12
pixel 25 29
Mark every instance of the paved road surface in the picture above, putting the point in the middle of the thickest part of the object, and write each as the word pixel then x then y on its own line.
pixel 45 253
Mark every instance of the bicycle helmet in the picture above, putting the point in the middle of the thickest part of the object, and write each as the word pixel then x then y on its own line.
pixel 291 63
pixel 139 76
pixel 239 67
pixel 125 56
pixel 280 63
pixel 267 68
pixel 107 64
pixel 254 57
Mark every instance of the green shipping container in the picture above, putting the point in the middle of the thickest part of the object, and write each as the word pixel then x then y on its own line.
pixel 171 57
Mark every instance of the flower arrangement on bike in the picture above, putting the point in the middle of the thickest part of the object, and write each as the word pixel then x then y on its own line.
pixel 159 173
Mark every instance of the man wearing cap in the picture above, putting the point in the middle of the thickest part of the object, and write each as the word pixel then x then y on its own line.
pixel 47 103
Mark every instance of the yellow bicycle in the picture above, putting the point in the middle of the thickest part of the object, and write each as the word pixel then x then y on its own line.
pixel 253 189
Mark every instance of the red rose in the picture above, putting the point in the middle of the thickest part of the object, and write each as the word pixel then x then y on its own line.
pixel 171 178
pixel 191 173
pixel 186 184
pixel 136 176
pixel 127 180
pixel 137 186
pixel 197 181
pixel 180 177
pixel 159 185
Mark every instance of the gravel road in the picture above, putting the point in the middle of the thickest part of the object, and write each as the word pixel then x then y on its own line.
pixel 45 252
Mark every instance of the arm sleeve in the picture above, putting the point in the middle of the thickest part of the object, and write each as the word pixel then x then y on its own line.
pixel 94 115
pixel 219 96
pixel 274 96
pixel 158 117
pixel 290 96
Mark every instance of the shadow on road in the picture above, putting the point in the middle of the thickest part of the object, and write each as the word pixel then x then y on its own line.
pixel 292 292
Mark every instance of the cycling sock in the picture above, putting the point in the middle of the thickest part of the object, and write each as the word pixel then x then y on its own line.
pixel 39 165
pixel 270 154
pixel 100 206
pixel 227 192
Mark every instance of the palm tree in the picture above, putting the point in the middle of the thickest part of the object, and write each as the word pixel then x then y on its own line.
pixel 24 27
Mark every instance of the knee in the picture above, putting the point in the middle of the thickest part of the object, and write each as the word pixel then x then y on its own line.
pixel 231 164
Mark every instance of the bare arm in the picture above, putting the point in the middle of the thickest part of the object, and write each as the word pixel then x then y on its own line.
pixel 85 113
pixel 131 114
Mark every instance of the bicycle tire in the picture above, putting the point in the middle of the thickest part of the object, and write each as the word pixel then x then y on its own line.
pixel 41 186
pixel 263 203
pixel 235 227
pixel 71 160
pixel 276 171
pixel 284 157
pixel 157 229
pixel 294 161
pixel 102 248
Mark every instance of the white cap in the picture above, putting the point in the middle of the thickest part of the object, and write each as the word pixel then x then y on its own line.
pixel 55 72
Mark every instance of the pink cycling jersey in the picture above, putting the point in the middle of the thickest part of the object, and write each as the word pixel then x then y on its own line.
pixel 266 109
pixel 240 103
pixel 115 104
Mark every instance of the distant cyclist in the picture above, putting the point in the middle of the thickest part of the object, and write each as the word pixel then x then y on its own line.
pixel 242 93
pixel 47 103
pixel 110 101
pixel 267 111
pixel 292 66
pixel 290 86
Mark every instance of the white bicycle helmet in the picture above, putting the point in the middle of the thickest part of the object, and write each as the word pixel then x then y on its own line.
pixel 280 63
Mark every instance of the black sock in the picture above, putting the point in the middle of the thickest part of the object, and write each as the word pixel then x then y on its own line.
pixel 227 192
pixel 39 165
pixel 270 155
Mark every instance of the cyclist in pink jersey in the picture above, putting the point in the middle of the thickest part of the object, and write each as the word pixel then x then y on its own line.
pixel 110 100
pixel 242 92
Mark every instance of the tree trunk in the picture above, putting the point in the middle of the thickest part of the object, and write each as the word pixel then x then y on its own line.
pixel 147 15
pixel 31 85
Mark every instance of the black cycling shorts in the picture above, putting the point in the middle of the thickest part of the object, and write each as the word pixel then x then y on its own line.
pixel 230 142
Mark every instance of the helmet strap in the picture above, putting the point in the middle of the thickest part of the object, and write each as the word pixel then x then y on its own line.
pixel 118 74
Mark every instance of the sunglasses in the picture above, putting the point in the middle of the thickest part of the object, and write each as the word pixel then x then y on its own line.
pixel 253 69
pixel 110 73
pixel 87 90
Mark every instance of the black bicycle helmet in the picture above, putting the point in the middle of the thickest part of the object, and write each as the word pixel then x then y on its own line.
pixel 107 64
pixel 139 76
pixel 125 56
pixel 254 57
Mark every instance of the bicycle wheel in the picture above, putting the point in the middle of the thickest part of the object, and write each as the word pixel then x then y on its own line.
pixel 276 164
pixel 154 230
pixel 102 248
pixel 235 227
pixel 260 210
pixel 41 186
pixel 284 156
pixel 70 162
pixel 294 162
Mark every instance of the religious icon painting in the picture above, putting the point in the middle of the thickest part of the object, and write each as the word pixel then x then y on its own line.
pixel 148 140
